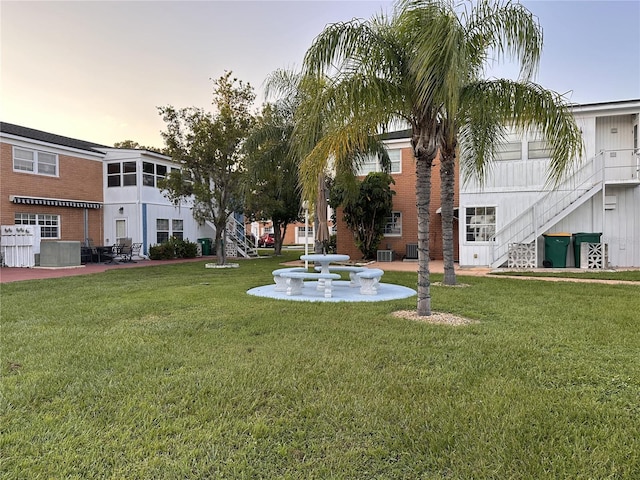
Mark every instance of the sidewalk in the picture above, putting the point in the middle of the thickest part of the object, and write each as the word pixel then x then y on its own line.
pixel 8 274
pixel 13 274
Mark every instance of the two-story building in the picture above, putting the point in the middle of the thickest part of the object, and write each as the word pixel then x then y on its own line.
pixel 74 190
pixel 401 232
pixel 504 221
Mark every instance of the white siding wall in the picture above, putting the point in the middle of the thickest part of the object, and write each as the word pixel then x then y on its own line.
pixel 622 227
pixel 616 133
pixel 513 186
pixel 133 199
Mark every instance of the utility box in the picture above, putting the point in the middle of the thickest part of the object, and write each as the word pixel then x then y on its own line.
pixel 60 254
pixel 385 255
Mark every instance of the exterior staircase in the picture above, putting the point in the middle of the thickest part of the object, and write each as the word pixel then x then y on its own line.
pixel 549 209
pixel 237 244
pixel 236 235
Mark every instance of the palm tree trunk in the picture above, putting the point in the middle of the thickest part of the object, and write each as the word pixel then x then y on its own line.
pixel 423 199
pixel 447 182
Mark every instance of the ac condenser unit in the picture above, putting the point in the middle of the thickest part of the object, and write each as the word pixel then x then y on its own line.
pixel 385 255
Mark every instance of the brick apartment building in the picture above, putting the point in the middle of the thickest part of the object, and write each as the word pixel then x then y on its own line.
pixel 402 228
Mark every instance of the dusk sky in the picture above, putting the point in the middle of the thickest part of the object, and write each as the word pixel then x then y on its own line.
pixel 96 71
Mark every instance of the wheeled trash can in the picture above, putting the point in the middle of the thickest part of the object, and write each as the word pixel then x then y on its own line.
pixel 555 249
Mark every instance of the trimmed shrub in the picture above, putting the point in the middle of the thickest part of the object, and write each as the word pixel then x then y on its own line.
pixel 173 248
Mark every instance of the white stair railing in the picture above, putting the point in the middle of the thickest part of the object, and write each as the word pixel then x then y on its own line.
pixel 236 234
pixel 550 208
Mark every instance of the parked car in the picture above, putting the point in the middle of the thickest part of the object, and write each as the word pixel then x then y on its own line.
pixel 266 240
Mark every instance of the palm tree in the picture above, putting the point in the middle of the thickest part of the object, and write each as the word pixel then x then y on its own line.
pixel 312 99
pixel 475 111
pixel 422 66
pixel 373 86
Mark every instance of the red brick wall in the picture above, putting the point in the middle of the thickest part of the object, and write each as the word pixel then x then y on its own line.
pixel 79 179
pixel 405 201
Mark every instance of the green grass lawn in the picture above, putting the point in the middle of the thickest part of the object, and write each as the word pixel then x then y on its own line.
pixel 175 372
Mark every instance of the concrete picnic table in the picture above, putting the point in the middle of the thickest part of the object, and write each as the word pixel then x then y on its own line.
pixel 325 259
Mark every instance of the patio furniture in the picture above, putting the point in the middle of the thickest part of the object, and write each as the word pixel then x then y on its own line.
pixel 370 280
pixel 295 281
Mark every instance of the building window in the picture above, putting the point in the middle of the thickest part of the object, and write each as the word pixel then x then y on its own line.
pixel 539 150
pixel 162 230
pixel 305 232
pixel 509 151
pixel 396 160
pixel 121 174
pixel 151 173
pixel 372 163
pixel 393 228
pixel 480 224
pixel 49 224
pixel 177 229
pixel 41 163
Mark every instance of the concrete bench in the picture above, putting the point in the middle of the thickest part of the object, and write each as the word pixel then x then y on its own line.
pixel 369 280
pixel 354 280
pixel 281 282
pixel 295 281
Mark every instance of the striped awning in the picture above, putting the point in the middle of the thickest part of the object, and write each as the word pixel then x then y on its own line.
pixel 54 202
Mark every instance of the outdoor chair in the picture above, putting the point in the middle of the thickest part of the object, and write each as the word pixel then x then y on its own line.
pixel 94 253
pixel 129 251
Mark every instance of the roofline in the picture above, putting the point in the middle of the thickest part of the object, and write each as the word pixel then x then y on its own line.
pixel 152 153
pixel 633 104
pixel 47 137
pixel 65 148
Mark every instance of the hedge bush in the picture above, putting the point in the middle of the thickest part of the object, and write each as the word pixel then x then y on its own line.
pixel 173 248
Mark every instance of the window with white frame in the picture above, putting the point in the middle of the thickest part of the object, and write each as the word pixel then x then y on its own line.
pixel 121 174
pixel 480 224
pixel 305 232
pixel 166 228
pixel 152 172
pixel 509 151
pixel 372 163
pixel 34 161
pixel 49 224
pixel 538 149
pixel 162 230
pixel 393 227
pixel 177 228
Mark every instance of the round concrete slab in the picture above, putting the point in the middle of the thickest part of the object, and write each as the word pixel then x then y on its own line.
pixel 341 292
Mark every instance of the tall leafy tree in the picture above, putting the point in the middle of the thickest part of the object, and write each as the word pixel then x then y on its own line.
pixel 272 191
pixel 209 148
pixel 367 211
pixel 413 67
pixel 311 99
pixel 132 144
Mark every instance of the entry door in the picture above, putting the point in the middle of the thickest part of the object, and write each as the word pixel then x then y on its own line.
pixel 121 228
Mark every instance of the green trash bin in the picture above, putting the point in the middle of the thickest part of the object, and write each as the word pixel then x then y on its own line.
pixel 579 239
pixel 206 245
pixel 555 249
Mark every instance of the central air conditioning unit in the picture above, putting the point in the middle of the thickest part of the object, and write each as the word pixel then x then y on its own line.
pixel 412 251
pixel 385 255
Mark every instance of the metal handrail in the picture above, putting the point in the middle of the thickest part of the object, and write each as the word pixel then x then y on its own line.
pixel 588 179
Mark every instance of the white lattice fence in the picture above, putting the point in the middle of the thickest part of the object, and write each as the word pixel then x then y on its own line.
pixel 522 255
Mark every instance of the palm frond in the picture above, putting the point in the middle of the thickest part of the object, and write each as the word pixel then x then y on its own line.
pixel 527 107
